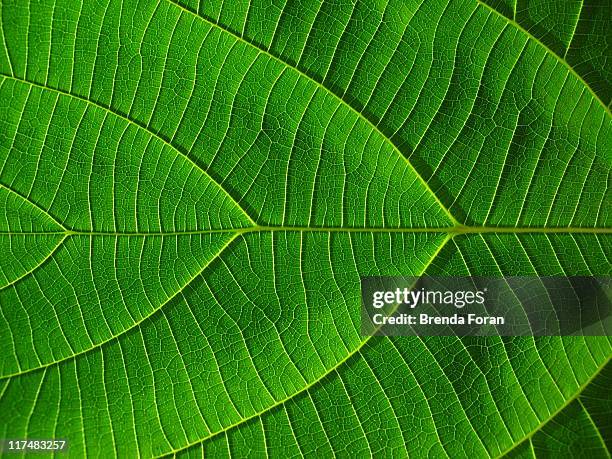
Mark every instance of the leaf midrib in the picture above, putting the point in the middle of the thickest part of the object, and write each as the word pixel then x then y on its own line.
pixel 328 371
pixel 452 230
pixel 455 228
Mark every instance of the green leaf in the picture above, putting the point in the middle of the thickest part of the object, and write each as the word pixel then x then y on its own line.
pixel 573 30
pixel 29 235
pixel 582 429
pixel 191 191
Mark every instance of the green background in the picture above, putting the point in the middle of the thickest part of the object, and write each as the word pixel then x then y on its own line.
pixel 190 192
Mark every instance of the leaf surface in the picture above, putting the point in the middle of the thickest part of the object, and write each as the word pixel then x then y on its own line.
pixel 190 192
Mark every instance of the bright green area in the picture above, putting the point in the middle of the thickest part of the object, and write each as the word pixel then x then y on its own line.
pixel 190 192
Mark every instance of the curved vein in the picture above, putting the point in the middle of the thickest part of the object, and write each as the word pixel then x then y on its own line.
pixel 135 324
pixel 331 93
pixel 548 51
pixel 37 207
pixel 140 127
pixel 40 263
pixel 577 394
pixel 314 382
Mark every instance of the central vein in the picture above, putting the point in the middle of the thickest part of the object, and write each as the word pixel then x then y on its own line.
pixel 451 230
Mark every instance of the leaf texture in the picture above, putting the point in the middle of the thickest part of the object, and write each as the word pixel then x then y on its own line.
pixel 573 30
pixel 190 192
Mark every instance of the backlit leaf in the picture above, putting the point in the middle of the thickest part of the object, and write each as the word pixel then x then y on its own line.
pixel 190 192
